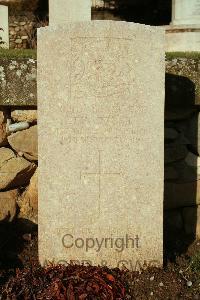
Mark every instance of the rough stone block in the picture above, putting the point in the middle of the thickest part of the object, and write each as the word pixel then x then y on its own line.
pixel 8 205
pixel 18 82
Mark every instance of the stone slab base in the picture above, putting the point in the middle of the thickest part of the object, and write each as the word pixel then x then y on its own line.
pixel 182 39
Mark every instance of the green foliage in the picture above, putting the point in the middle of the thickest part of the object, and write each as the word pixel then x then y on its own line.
pixel 191 55
pixel 17 53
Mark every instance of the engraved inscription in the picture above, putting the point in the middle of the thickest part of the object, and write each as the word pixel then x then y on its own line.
pixel 107 70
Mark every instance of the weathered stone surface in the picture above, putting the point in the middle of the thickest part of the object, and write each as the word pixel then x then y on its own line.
pixel 4 34
pixel 5 155
pixel 69 11
pixel 3 135
pixel 191 216
pixel 181 194
pixel 15 172
pixel 18 41
pixel 175 152
pixel 108 180
pixel 24 116
pixel 3 116
pixel 29 201
pixel 8 201
pixel 18 82
pixel 182 39
pixel 3 132
pixel 185 12
pixel 11 128
pixel 25 142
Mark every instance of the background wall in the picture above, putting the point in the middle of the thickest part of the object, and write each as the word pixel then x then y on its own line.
pixel 25 16
pixel 18 141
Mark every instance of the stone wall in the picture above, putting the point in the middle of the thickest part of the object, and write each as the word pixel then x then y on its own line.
pixel 182 145
pixel 18 149
pixel 21 31
pixel 18 82
pixel 18 164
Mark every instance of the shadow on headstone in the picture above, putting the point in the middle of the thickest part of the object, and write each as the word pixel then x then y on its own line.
pixel 179 192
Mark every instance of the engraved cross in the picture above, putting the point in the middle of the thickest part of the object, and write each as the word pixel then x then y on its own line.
pixel 99 173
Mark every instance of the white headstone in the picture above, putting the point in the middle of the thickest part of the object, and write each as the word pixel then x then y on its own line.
pixel 62 11
pixel 101 143
pixel 4 24
pixel 182 41
pixel 186 12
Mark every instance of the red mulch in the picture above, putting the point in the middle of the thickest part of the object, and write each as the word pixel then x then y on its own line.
pixel 65 282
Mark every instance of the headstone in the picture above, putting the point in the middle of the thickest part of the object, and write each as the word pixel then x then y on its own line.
pixel 182 41
pixel 185 12
pixel 62 11
pixel 101 114
pixel 184 32
pixel 4 34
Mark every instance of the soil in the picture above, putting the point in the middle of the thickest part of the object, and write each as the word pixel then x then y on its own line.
pixel 21 276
